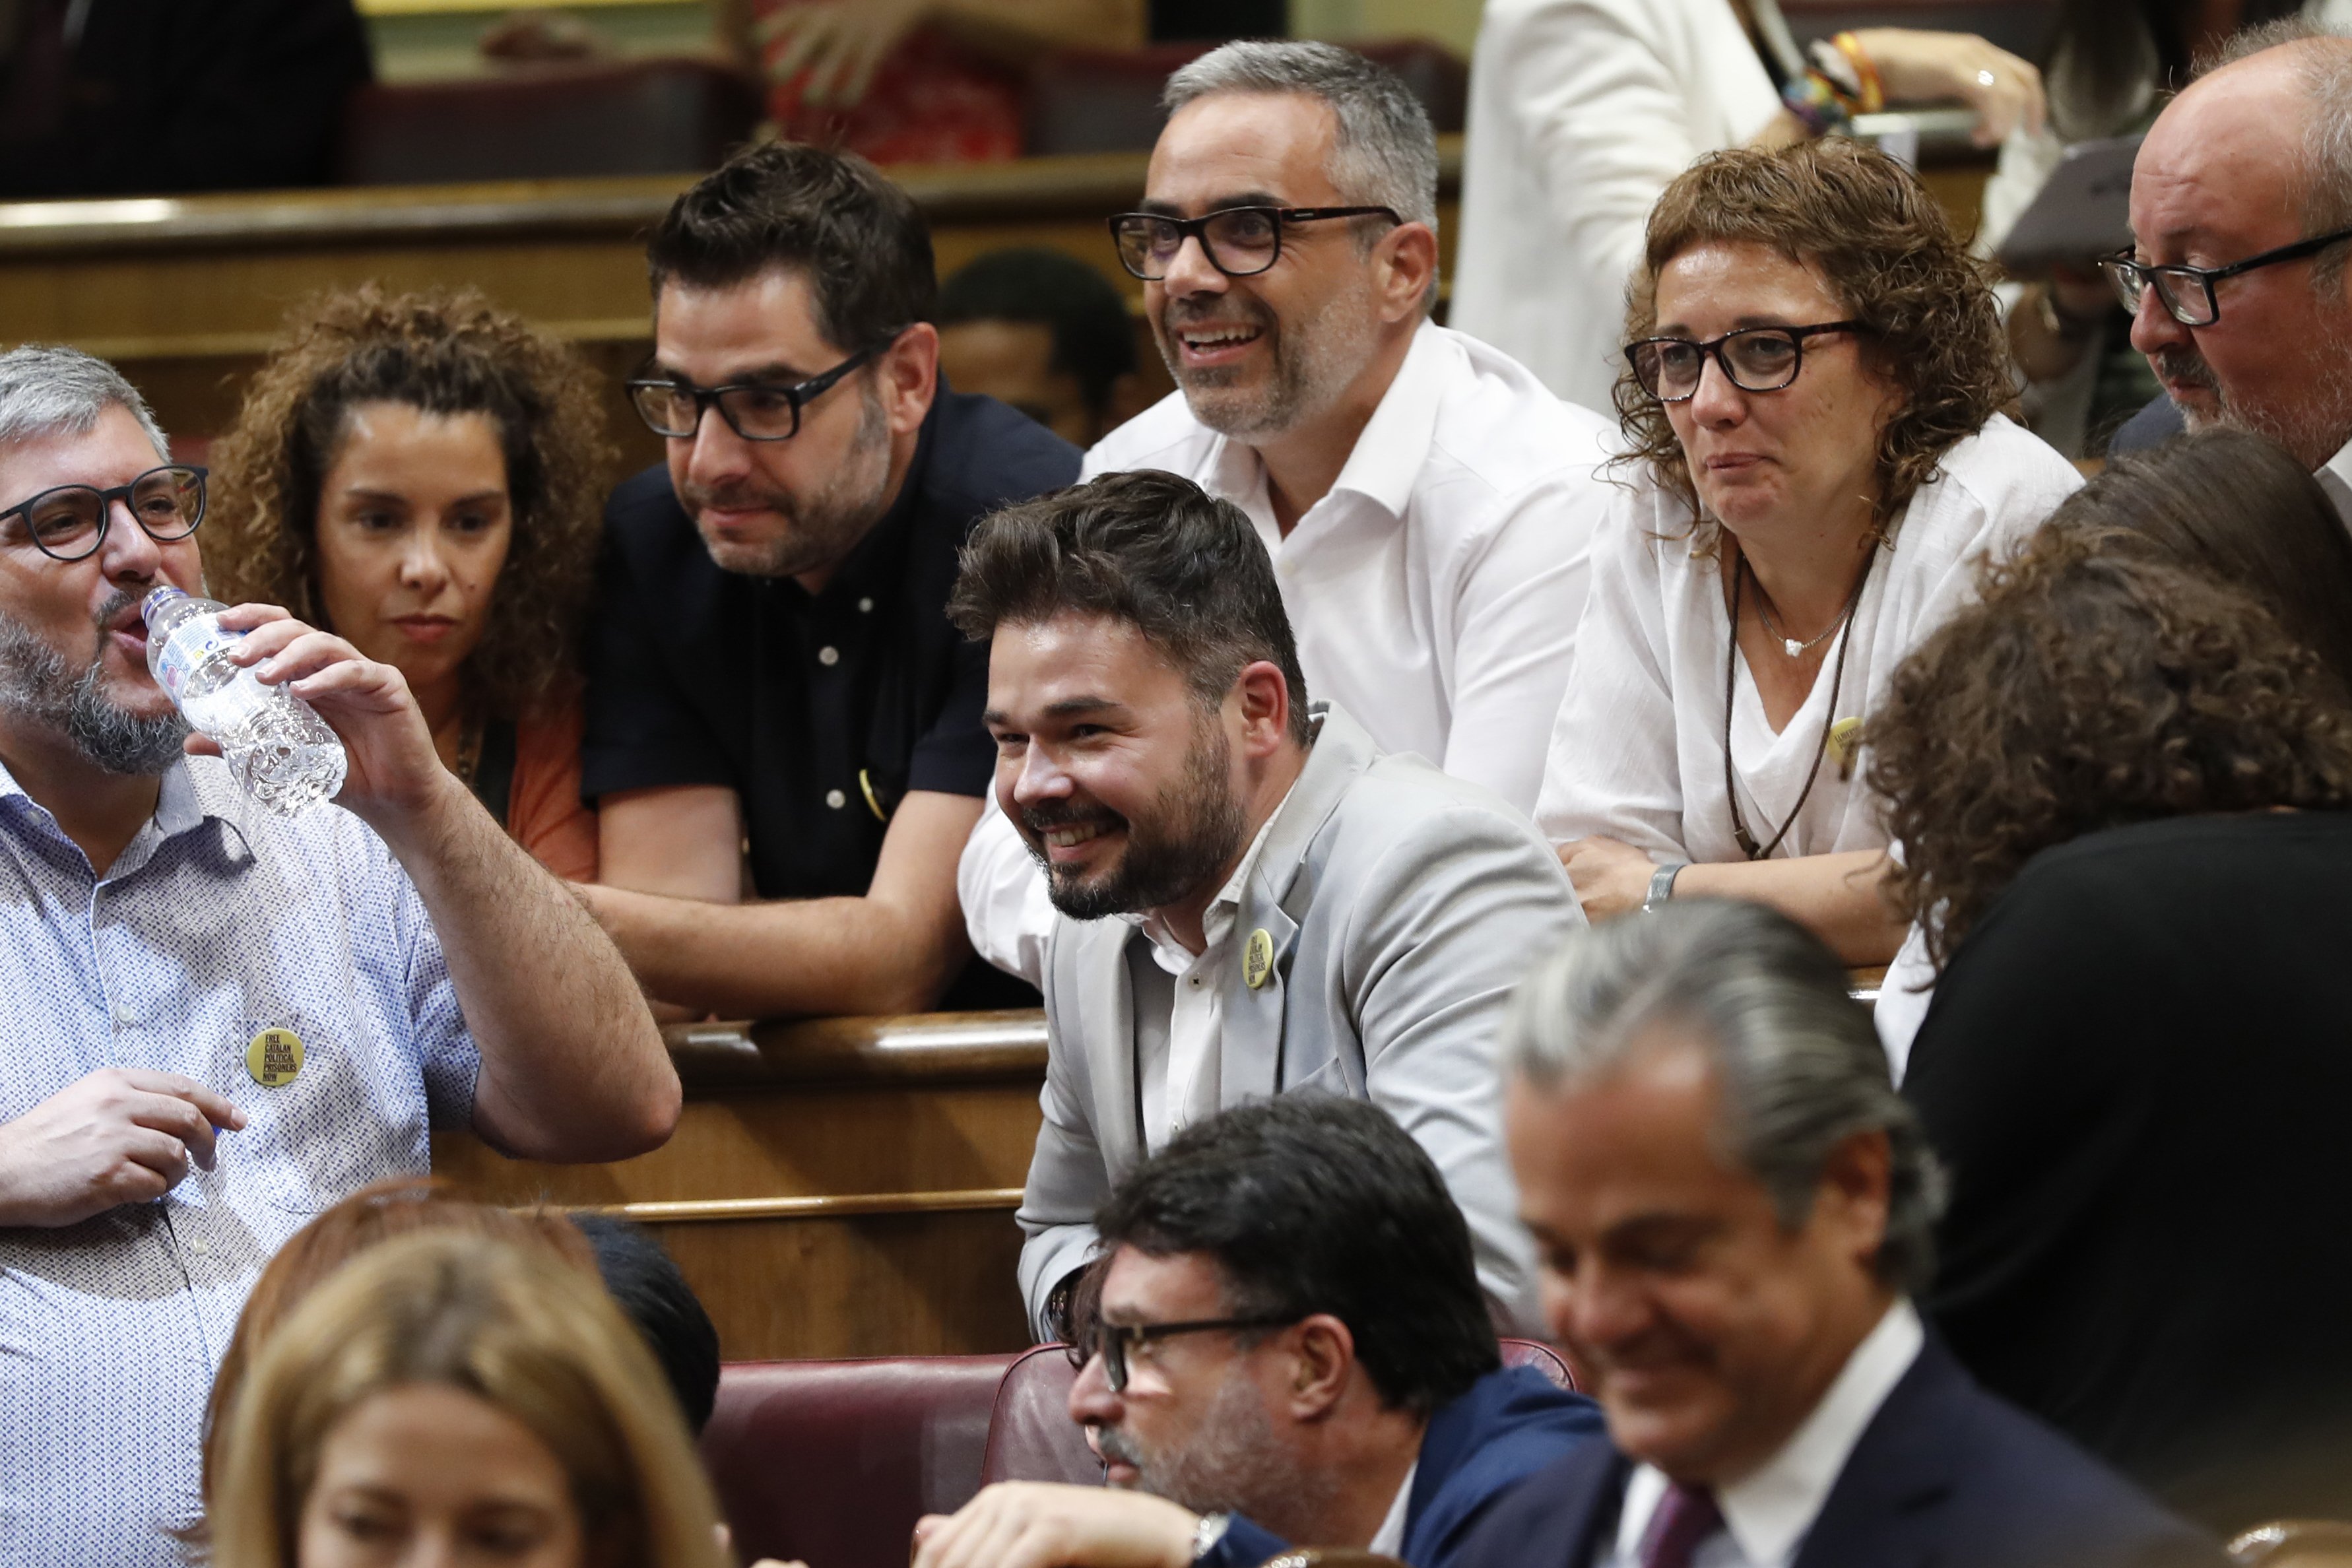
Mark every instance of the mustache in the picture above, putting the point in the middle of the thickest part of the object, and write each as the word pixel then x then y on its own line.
pixel 734 498
pixel 1229 311
pixel 1117 1448
pixel 1045 818
pixel 2185 367
pixel 119 601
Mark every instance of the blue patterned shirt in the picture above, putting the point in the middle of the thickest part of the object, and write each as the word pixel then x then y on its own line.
pixel 218 922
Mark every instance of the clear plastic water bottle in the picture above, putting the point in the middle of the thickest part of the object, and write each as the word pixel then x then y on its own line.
pixel 285 755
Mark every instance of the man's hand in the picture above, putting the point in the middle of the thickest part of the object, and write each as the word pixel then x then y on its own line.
pixel 1611 879
pixel 121 1135
pixel 1920 67
pixel 840 43
pixel 394 770
pixel 1032 1524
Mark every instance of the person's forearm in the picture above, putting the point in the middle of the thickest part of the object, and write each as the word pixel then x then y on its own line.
pixel 1020 27
pixel 824 957
pixel 1836 897
pixel 574 1066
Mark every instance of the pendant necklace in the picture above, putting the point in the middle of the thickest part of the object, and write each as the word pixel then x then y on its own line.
pixel 1740 831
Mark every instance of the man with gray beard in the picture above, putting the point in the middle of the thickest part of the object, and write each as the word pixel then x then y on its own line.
pixel 776 705
pixel 217 1021
pixel 2242 207
pixel 1427 501
pixel 1288 1347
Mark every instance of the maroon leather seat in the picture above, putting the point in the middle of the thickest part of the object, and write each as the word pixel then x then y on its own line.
pixel 832 1462
pixel 1031 1437
pixel 549 121
pixel 1103 100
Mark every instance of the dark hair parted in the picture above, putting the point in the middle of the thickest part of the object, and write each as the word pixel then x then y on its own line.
pixel 646 1283
pixel 1310 1203
pixel 446 353
pixel 1181 565
pixel 1883 244
pixel 2089 688
pixel 859 240
pixel 1093 339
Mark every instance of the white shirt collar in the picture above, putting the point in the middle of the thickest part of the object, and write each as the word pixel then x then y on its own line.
pixel 1389 1539
pixel 1769 1511
pixel 1217 920
pixel 1387 459
pixel 2334 477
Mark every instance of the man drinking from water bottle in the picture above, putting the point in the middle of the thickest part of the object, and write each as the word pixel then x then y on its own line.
pixel 218 1020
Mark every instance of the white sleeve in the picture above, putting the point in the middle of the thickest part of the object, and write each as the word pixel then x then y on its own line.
pixel 1006 912
pixel 1613 769
pixel 1606 121
pixel 1517 617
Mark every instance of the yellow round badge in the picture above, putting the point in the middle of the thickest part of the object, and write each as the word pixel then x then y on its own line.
pixel 274 1058
pixel 1258 959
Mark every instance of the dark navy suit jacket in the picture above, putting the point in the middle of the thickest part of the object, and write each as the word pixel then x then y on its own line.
pixel 1945 1474
pixel 2153 425
pixel 1511 1423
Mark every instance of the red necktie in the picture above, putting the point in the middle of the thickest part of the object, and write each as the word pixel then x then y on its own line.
pixel 1685 1516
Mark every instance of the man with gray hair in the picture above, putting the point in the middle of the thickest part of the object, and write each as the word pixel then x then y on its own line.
pixel 219 1020
pixel 1730 1205
pixel 2238 281
pixel 1427 502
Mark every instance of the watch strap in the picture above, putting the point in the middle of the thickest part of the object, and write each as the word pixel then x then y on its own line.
pixel 1662 885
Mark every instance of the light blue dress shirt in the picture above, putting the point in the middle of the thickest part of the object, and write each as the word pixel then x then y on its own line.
pixel 219 920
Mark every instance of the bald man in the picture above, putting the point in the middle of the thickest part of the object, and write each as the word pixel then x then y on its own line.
pixel 2241 175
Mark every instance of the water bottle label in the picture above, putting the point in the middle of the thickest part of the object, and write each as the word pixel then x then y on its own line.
pixel 185 651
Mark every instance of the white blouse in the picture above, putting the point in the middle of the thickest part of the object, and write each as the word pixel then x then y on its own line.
pixel 1637 752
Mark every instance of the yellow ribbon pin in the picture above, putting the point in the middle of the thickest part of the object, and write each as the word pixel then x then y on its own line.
pixel 275 1058
pixel 1258 959
pixel 1844 742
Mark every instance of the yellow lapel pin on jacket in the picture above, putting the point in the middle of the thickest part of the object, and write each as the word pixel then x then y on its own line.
pixel 1258 959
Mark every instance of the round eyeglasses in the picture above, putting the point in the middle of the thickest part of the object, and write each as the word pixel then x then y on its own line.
pixel 2187 293
pixel 755 410
pixel 1239 242
pixel 67 522
pixel 1755 359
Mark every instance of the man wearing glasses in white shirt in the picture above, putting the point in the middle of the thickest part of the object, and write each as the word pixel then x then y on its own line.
pixel 1427 502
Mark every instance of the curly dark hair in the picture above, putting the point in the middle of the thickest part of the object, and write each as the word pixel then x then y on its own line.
pixel 2088 690
pixel 446 353
pixel 1870 227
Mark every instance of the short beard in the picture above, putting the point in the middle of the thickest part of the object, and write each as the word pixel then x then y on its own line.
pixel 2314 430
pixel 819 529
pixel 1236 1463
pixel 37 683
pixel 1195 830
pixel 1315 360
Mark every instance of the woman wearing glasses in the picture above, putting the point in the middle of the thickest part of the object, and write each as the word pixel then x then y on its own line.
pixel 1812 396
pixel 421 475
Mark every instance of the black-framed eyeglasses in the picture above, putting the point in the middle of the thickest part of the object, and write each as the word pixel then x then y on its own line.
pixel 1114 1341
pixel 67 522
pixel 1238 241
pixel 2187 292
pixel 755 410
pixel 1756 359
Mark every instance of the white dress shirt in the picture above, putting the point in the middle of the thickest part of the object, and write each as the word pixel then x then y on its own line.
pixel 1389 1539
pixel 1766 1513
pixel 1179 1007
pixel 2335 478
pixel 1637 754
pixel 1581 112
pixel 1435 591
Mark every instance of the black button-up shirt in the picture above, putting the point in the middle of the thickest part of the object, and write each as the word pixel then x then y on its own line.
pixel 822 711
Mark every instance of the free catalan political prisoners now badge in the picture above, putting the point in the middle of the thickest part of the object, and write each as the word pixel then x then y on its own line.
pixel 274 1058
pixel 1258 959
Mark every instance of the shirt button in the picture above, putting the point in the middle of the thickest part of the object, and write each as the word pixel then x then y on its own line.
pixel 1196 983
pixel 865 606
pixel 122 1016
pixel 200 1249
pixel 835 799
pixel 828 656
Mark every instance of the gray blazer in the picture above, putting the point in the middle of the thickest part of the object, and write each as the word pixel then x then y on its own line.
pixel 1404 905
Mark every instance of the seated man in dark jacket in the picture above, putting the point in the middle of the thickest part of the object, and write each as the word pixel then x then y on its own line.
pixel 1730 1205
pixel 1290 1345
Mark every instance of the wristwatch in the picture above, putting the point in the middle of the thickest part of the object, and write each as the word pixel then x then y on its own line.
pixel 1208 1532
pixel 1661 885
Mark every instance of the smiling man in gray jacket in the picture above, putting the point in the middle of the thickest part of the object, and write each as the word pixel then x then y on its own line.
pixel 1252 899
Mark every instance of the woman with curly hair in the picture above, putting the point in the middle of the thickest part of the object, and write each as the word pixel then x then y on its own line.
pixel 1812 395
pixel 422 474
pixel 2230 507
pixel 2123 792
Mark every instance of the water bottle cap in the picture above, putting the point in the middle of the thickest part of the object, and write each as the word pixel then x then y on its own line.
pixel 158 597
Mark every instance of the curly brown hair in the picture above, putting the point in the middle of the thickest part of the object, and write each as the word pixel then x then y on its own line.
pixel 1867 225
pixel 446 353
pixel 2088 690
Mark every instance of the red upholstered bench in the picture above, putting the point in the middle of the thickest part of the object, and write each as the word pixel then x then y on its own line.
pixel 833 1462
